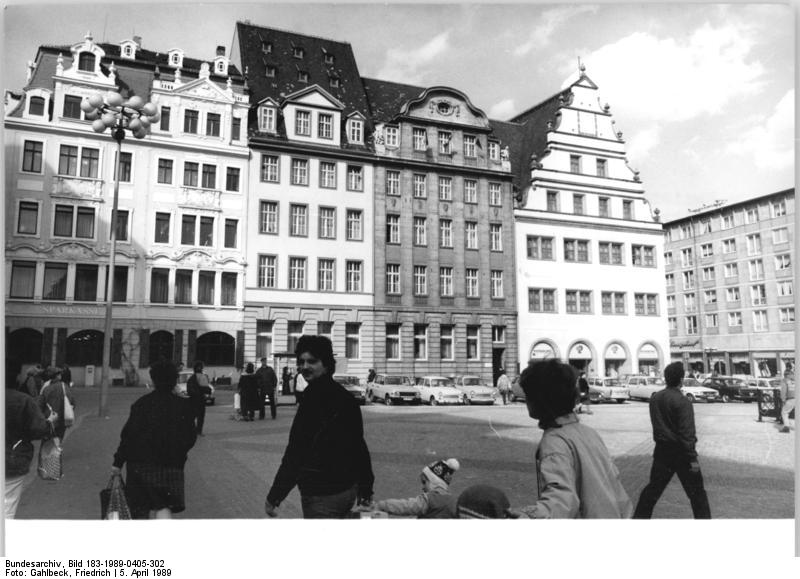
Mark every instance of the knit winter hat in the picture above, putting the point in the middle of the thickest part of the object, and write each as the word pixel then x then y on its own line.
pixel 442 470
pixel 482 502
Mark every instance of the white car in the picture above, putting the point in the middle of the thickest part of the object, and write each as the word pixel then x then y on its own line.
pixel 392 389
pixel 694 391
pixel 609 389
pixel 180 388
pixel 643 387
pixel 475 391
pixel 439 390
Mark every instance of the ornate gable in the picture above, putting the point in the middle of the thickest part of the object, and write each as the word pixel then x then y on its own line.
pixel 203 89
pixel 446 105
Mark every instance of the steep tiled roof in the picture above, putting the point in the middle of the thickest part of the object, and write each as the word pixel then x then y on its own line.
pixel 387 98
pixel 512 135
pixel 252 38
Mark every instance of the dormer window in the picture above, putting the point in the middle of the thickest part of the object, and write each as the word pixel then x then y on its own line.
pixel 392 136
pixel 271 70
pixel 266 47
pixel 86 62
pixel 328 58
pixel 176 58
pixel 221 67
pixel 494 151
pixel 128 48
pixel 127 51
pixel 267 118
pixel 302 76
pixel 334 82
pixel 298 52
pixel 355 131
pixel 36 106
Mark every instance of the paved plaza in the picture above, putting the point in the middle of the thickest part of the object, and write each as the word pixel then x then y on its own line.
pixel 747 465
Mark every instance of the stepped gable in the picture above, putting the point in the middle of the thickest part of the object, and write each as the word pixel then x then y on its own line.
pixel 255 59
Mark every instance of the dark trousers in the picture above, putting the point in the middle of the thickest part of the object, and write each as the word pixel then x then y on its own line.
pixel 336 506
pixel 200 416
pixel 668 461
pixel 272 403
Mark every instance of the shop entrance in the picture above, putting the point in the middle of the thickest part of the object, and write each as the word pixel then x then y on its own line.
pixel 614 359
pixel 580 357
pixel 648 360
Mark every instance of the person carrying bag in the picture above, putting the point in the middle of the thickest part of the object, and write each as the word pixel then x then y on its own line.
pixel 113 502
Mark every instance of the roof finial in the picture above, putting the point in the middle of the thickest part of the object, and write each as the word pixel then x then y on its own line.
pixel 89 36
pixel 581 66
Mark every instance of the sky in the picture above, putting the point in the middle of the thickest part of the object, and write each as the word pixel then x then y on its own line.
pixel 703 93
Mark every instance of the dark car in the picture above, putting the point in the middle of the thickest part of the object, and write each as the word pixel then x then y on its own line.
pixel 353 385
pixel 730 388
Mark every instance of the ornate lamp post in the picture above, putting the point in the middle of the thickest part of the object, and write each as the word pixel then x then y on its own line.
pixel 110 111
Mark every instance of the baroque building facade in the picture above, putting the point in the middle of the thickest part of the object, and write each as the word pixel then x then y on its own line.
pixel 730 286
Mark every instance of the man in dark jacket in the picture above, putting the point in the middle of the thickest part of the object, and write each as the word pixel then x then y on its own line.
pixel 24 424
pixel 327 456
pixel 672 417
pixel 267 384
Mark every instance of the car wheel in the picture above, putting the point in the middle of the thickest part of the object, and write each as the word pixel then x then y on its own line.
pixel 372 398
pixel 726 398
pixel 387 400
pixel 433 401
pixel 620 401
pixel 690 398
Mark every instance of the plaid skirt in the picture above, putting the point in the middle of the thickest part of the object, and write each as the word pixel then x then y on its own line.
pixel 151 487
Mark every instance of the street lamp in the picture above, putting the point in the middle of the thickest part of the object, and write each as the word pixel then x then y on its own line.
pixel 111 111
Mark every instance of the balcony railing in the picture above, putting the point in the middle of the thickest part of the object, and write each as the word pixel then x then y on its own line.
pixel 201 198
pixel 79 187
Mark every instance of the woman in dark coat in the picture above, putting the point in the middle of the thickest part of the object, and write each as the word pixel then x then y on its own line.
pixel 51 399
pixel 154 444
pixel 248 392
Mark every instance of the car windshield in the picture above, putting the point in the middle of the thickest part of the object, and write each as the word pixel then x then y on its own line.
pixel 395 380
pixel 610 382
pixel 690 382
pixel 471 381
pixel 440 382
pixel 655 381
pixel 347 380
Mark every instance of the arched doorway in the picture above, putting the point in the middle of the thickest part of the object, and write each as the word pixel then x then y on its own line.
pixel 614 359
pixel 85 348
pixel 216 349
pixel 162 345
pixel 580 356
pixel 25 346
pixel 648 360
pixel 542 351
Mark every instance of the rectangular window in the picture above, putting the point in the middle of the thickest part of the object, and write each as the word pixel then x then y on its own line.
pixel 643 255
pixel 84 223
pixel 267 271
pixel 712 320
pixel 445 189
pixel 574 164
pixel 393 182
pixel 420 231
pixel 728 246
pixel 552 201
pixel 302 123
pixel 190 119
pixel 734 319
pixel 539 247
pixel 470 142
pixel 541 300
pixel 706 250
pixel 495 195
pixel 231 233
pixel 392 278
pixel 498 334
pixel 760 321
pixel 731 270
pixel 780 235
pixel 751 215
pixel 299 171
pixel 269 168
pixel 55 281
pixel 165 114
pixel 420 186
pixel 188 228
pixel 787 315
pixel 446 342
pixel 672 324
pixel 206 231
pixel 62 223
pixel 392 137
pixel 578 204
pixel 627 209
pixel 392 341
pixel 352 340
pixel 228 288
pixel 445 233
pixel 689 302
pixel 732 294
pixel 165 171
pixel 267 117
pixel 212 124
pixel 727 221
pixel 268 222
pixel 28 218
pixel 420 280
pixel 72 107
pixel 576 250
pixel 23 279
pixel 205 288
pixel 783 262
pixel 236 128
pixel 471 278
pixel 785 288
pixel 470 191
pixel 602 207
pixel 232 179
pixel 610 253
pixel 473 343
pixel 327 175
pixel 325 329
pixel 36 106
pixel 778 208
pixel 496 284
pixel 420 341
pixel 754 244
pixel 183 286
pixel 325 126
pixel 687 259
pixel 209 176
pixel 354 225
pixel 758 295
pixel 578 301
pixel 445 138
pixel 32 156
pixel 495 237
pixel 708 273
pixel 85 283
pixel 392 228
pixel 670 302
pixel 756 268
pixel 494 151
pixel 420 139
pixel 298 220
pixel 471 234
pixel 670 280
pixel 613 302
pixel 121 232
pixel 120 284
pixel 710 297
pixel 355 178
pixel 446 282
pixel 326 275
pixel 601 167
pixel 294 331
pixel 327 223
pixel 356 131
pixel 159 285
pixel 191 172
pixel 353 276
pixel 162 228
pixel 297 273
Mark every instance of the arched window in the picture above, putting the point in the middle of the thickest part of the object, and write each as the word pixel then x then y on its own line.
pixel 36 106
pixel 215 349
pixel 86 61
pixel 85 347
pixel 25 345
pixel 162 345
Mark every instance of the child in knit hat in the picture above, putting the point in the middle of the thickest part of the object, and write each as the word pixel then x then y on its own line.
pixel 435 501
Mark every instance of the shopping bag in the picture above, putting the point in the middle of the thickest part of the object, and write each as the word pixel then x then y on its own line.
pixel 69 410
pixel 50 459
pixel 237 401
pixel 113 502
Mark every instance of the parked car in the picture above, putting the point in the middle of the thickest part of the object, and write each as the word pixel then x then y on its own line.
pixel 392 389
pixel 439 390
pixel 517 393
pixel 643 387
pixel 694 391
pixel 730 388
pixel 353 385
pixel 608 390
pixel 765 383
pixel 475 391
pixel 180 388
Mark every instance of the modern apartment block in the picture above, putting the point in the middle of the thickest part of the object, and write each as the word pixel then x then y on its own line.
pixel 179 272
pixel 589 270
pixel 730 286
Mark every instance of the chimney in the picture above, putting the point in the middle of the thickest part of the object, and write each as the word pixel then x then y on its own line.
pixel 138 41
pixel 220 51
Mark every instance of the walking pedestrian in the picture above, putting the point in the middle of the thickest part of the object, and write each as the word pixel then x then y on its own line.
pixel 248 393
pixel 51 399
pixel 327 457
pixel 34 380
pixel 371 375
pixel 672 417
pixel 25 423
pixel 435 500
pixel 197 386
pixel 504 386
pixel 787 402
pixel 267 383
pixel 585 401
pixel 576 477
pixel 154 446
pixel 286 380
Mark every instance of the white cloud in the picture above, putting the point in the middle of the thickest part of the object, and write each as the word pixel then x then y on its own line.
pixel 642 142
pixel 551 20
pixel 769 142
pixel 504 109
pixel 408 66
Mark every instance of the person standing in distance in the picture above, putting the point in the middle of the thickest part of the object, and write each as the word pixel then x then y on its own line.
pixel 267 384
pixel 672 417
pixel 327 457
pixel 504 386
